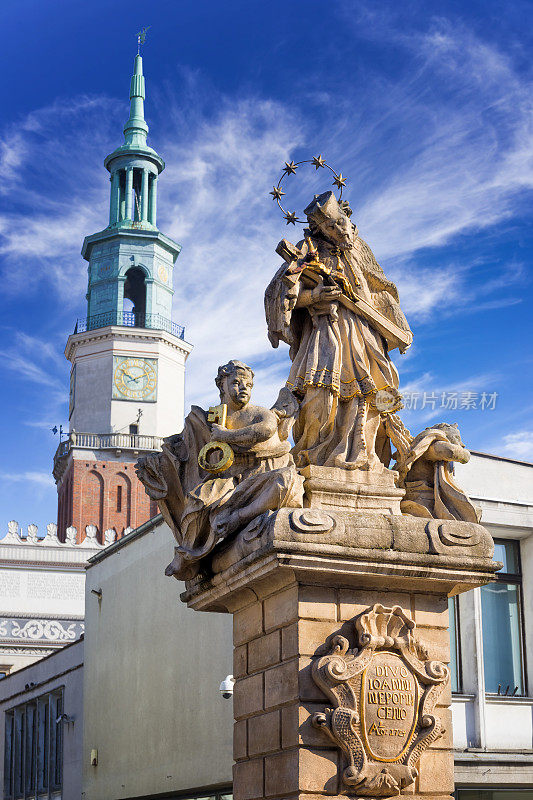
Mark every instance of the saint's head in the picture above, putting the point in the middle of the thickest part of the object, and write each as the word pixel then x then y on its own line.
pixel 330 220
pixel 235 381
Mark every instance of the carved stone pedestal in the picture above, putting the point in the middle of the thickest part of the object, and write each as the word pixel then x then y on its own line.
pixel 341 649
pixel 351 490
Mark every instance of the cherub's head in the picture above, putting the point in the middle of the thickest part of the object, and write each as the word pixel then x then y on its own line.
pixel 235 381
pixel 330 220
pixel 453 434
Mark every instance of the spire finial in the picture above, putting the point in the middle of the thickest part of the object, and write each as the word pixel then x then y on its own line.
pixel 141 38
pixel 136 129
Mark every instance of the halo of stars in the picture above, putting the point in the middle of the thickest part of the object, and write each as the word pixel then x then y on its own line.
pixel 318 162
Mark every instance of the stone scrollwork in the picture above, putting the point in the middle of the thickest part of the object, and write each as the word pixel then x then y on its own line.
pixel 442 536
pixel 311 520
pixel 51 630
pixel 384 694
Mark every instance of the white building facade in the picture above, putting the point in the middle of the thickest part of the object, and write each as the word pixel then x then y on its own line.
pixel 42 592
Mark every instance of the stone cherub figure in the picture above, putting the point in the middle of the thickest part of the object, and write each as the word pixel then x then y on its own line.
pixel 425 469
pixel 333 305
pixel 201 509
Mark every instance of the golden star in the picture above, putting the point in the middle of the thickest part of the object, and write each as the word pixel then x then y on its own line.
pixel 277 193
pixel 290 216
pixel 290 168
pixel 339 181
pixel 318 161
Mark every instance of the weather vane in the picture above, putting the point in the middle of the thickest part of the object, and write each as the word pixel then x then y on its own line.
pixel 290 169
pixel 141 38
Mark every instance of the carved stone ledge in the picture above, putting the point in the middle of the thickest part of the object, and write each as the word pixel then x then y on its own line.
pixel 352 549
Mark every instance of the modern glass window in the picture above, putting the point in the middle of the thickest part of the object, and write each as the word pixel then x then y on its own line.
pixel 33 751
pixel 501 614
pixel 494 794
pixel 455 660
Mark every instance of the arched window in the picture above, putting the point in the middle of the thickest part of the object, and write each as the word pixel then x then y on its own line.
pixel 93 501
pixel 120 502
pixel 135 293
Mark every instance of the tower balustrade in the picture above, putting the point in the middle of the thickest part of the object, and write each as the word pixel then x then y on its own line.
pixel 130 319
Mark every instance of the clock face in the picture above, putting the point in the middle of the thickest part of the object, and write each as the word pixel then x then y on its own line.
pixel 135 379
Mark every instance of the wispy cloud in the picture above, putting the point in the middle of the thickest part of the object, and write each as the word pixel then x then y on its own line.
pixel 42 479
pixel 53 182
pixel 464 172
pixel 427 398
pixel 461 118
pixel 518 445
pixel 214 201
pixel 37 362
pixel 460 162
pixel 30 357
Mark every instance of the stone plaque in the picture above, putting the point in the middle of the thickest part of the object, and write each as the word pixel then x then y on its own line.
pixel 384 693
pixel 389 701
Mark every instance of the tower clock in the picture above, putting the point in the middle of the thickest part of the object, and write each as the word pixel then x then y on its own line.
pixel 135 379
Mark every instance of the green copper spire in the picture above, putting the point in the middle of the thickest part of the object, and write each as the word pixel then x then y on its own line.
pixel 134 166
pixel 136 129
pixel 131 261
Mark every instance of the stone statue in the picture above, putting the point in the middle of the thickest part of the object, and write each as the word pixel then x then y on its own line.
pixel 201 509
pixel 333 305
pixel 275 540
pixel 425 469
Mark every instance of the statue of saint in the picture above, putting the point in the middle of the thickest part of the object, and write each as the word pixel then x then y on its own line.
pixel 202 508
pixel 333 305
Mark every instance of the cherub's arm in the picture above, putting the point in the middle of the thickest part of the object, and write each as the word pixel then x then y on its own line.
pixel 263 428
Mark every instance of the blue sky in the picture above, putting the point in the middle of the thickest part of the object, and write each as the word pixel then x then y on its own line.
pixel 425 107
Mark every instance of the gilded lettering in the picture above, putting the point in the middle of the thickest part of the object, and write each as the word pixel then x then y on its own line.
pixel 379 730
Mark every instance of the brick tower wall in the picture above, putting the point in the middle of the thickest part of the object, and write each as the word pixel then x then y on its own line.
pixel 102 493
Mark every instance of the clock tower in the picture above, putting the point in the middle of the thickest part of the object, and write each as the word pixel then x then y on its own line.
pixel 128 356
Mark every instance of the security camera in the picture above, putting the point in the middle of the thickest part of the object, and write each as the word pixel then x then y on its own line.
pixel 64 718
pixel 226 687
